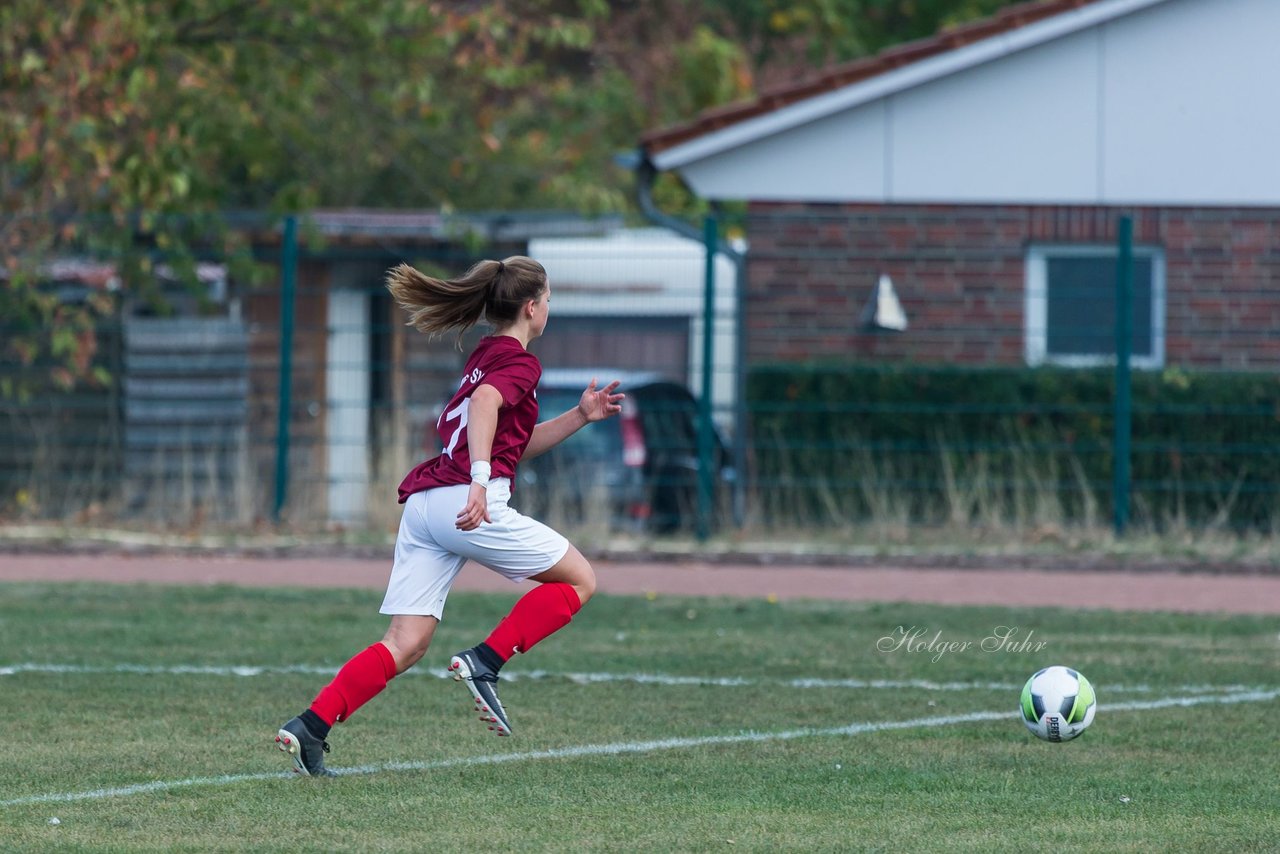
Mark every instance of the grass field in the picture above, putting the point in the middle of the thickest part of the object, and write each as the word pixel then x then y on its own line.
pixel 141 718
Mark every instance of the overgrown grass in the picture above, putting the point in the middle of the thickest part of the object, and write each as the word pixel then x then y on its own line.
pixel 1202 777
pixel 851 493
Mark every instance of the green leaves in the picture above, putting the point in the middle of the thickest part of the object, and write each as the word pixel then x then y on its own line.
pixel 207 104
pixel 129 118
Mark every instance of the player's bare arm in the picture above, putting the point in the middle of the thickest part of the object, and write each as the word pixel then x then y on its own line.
pixel 482 423
pixel 596 404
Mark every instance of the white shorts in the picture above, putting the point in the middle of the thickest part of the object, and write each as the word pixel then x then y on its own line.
pixel 430 550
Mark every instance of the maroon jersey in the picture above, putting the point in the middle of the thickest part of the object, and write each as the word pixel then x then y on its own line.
pixel 499 361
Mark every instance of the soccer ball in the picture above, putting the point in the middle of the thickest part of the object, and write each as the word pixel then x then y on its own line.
pixel 1058 703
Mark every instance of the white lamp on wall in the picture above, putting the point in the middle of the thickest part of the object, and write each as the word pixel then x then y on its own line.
pixel 883 311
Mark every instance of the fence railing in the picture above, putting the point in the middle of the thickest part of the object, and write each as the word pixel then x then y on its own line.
pixel 861 379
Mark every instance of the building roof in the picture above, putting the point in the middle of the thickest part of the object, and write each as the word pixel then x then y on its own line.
pixel 440 225
pixel 1087 102
pixel 839 76
pixel 430 226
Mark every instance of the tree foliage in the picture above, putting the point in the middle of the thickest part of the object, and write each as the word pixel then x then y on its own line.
pixel 787 38
pixel 128 128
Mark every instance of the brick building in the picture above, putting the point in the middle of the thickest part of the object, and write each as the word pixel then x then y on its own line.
pixel 984 171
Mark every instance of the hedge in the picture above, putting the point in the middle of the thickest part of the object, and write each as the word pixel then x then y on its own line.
pixel 943 443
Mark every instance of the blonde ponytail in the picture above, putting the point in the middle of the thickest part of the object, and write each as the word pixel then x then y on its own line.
pixel 490 290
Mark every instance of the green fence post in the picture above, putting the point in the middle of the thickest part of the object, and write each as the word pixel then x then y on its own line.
pixel 706 464
pixel 1124 395
pixel 288 282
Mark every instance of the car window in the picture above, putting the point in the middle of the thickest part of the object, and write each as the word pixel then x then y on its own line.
pixel 670 420
pixel 596 440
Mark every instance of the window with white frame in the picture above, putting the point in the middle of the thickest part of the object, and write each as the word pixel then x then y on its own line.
pixel 1071 306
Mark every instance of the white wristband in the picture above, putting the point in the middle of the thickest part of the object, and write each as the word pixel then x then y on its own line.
pixel 480 472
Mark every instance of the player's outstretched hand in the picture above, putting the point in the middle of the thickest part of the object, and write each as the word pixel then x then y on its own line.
pixel 599 404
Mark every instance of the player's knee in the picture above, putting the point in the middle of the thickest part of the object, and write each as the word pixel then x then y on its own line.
pixel 585 583
pixel 409 657
pixel 405 654
pixel 573 570
pixel 407 646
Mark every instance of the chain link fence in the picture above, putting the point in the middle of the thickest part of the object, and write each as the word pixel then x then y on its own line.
pixel 962 367
pixel 871 371
pixel 302 400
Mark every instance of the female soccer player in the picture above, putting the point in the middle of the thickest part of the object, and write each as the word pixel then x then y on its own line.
pixel 456 503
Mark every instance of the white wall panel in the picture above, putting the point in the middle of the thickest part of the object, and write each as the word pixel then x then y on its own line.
pixel 837 158
pixel 347 372
pixel 1192 104
pixel 1026 124
pixel 1164 103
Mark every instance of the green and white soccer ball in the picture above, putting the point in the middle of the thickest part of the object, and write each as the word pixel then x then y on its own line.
pixel 1058 703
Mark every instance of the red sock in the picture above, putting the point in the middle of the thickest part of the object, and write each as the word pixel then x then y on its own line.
pixel 545 609
pixel 358 682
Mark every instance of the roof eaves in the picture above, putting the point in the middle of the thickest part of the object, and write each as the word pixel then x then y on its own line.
pixel 660 145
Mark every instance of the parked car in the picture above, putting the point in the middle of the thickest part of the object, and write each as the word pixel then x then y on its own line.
pixel 637 471
pixel 641 465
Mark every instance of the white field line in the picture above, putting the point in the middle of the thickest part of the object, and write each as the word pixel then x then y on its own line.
pixel 627 747
pixel 251 670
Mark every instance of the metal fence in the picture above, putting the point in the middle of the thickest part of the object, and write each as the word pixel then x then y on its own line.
pixel 988 368
pixel 304 399
pixel 882 370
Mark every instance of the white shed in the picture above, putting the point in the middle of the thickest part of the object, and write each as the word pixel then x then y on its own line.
pixel 608 287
